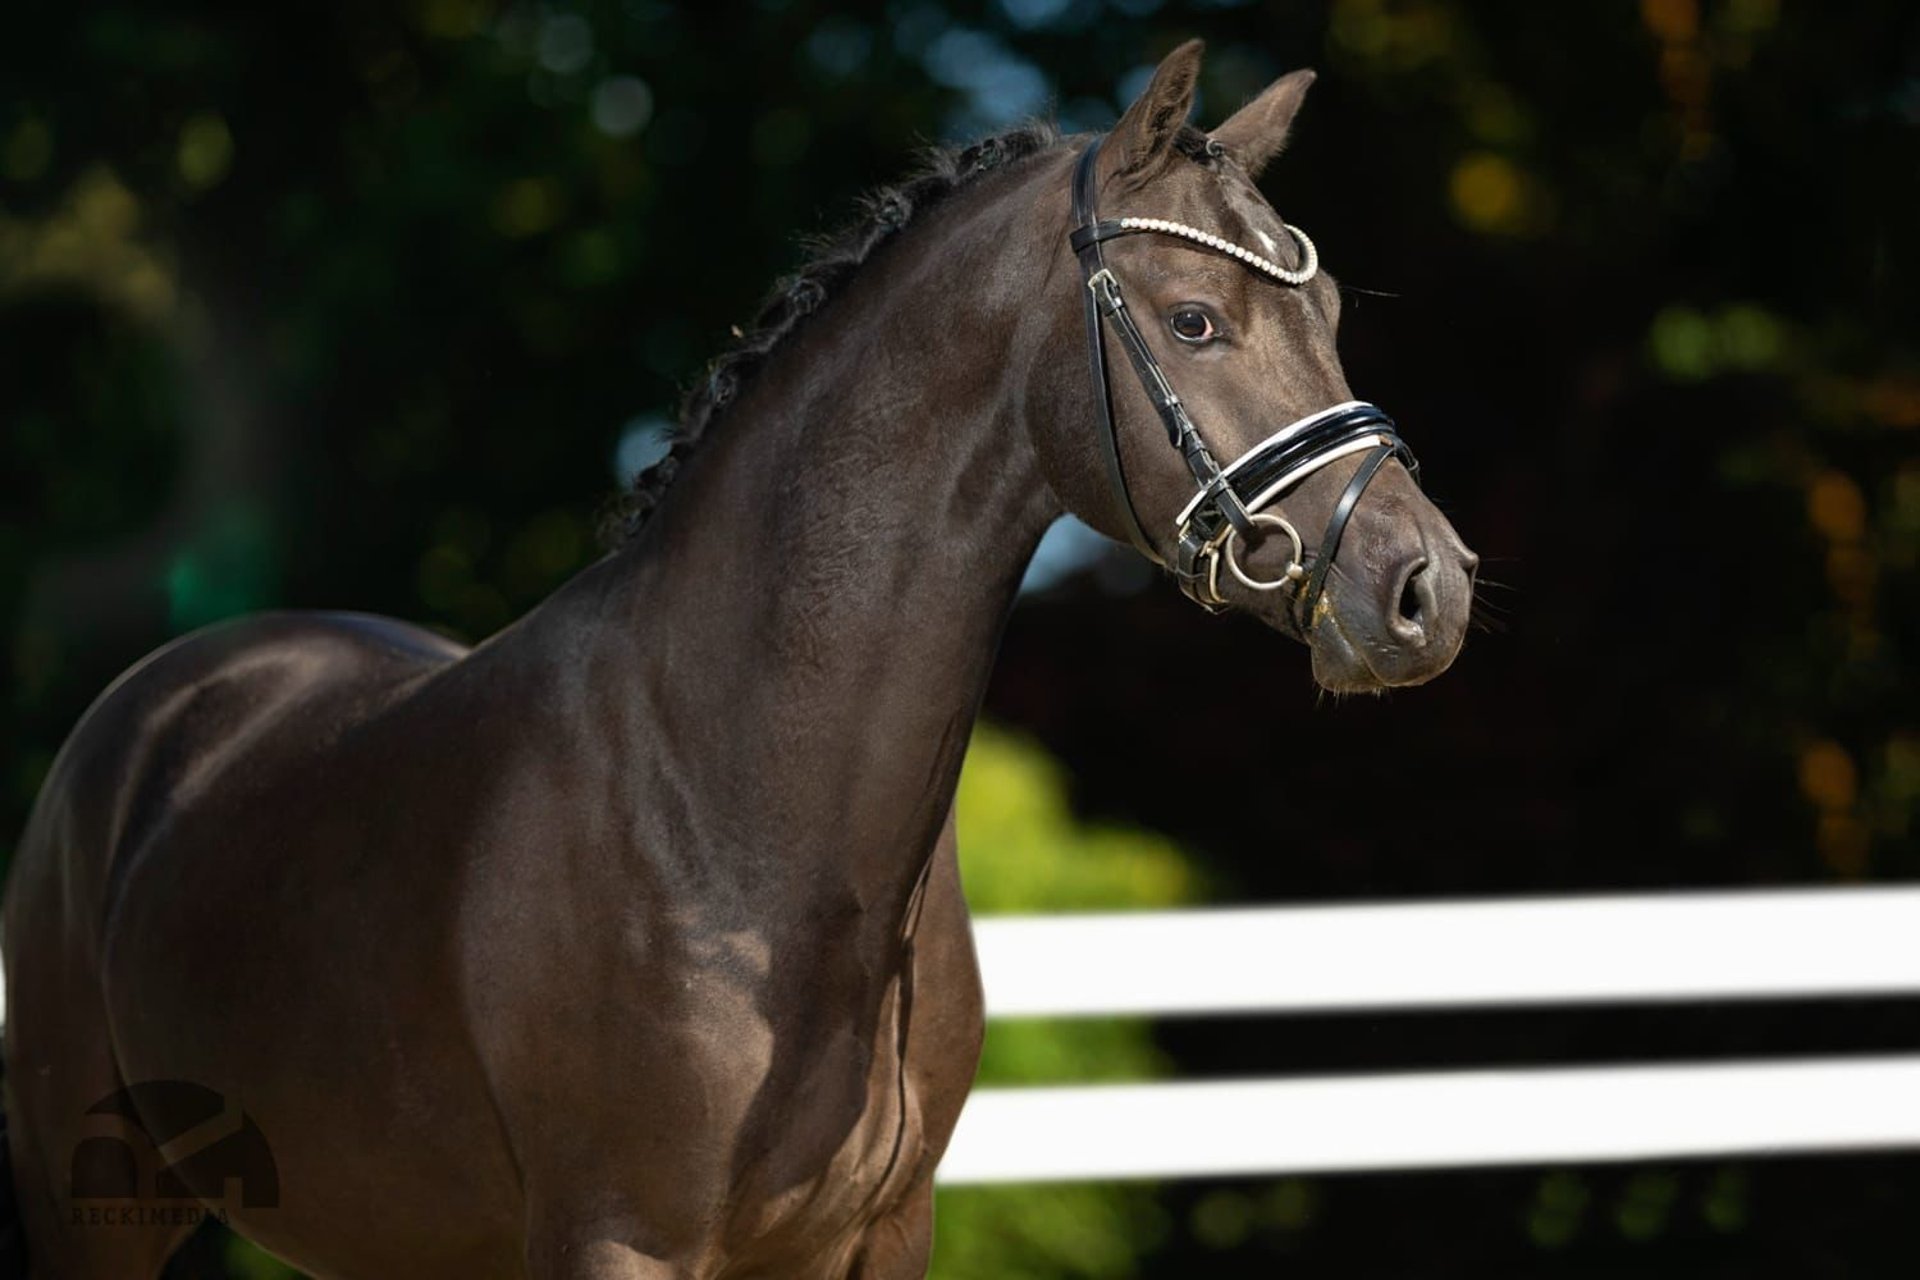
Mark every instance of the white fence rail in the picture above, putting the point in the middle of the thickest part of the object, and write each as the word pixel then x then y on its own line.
pixel 1690 946
pixel 1756 945
pixel 1439 1120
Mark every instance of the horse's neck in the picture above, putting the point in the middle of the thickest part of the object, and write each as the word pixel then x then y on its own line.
pixel 802 635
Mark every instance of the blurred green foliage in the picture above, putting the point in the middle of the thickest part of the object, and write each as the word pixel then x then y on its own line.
pixel 245 1261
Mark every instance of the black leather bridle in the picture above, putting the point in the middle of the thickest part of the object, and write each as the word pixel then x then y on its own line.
pixel 1230 499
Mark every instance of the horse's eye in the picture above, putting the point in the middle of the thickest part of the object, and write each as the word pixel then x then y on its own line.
pixel 1190 325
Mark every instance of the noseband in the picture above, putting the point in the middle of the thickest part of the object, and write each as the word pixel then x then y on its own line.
pixel 1231 499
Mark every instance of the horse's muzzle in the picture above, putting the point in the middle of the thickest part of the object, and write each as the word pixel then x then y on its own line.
pixel 1400 627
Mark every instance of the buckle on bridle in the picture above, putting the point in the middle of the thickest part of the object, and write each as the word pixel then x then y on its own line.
pixel 1195 565
pixel 1106 289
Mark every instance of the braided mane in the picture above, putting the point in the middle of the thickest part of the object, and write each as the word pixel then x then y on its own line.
pixel 832 262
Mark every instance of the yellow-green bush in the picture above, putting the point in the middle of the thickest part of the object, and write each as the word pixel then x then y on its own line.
pixel 1022 850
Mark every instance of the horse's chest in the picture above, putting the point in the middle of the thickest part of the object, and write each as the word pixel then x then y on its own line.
pixel 835 1143
pixel 855 1137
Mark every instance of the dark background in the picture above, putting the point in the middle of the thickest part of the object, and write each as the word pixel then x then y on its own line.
pixel 358 305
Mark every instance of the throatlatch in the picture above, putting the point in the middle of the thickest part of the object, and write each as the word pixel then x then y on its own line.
pixel 1230 500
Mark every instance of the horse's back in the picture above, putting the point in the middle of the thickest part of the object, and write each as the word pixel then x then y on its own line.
pixel 198 876
pixel 219 703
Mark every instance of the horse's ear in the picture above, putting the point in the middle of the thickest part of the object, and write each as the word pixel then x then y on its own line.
pixel 1144 137
pixel 1257 132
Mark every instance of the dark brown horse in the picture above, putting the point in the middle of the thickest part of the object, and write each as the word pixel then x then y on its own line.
pixel 630 943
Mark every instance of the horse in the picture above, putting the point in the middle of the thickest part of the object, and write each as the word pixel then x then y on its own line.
pixel 630 943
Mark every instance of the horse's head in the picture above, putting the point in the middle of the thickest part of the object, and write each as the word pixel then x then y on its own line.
pixel 1228 312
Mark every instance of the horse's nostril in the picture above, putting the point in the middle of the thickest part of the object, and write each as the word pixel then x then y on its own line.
pixel 1412 597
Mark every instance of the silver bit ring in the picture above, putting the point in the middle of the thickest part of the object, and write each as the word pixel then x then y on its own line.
pixel 1295 570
